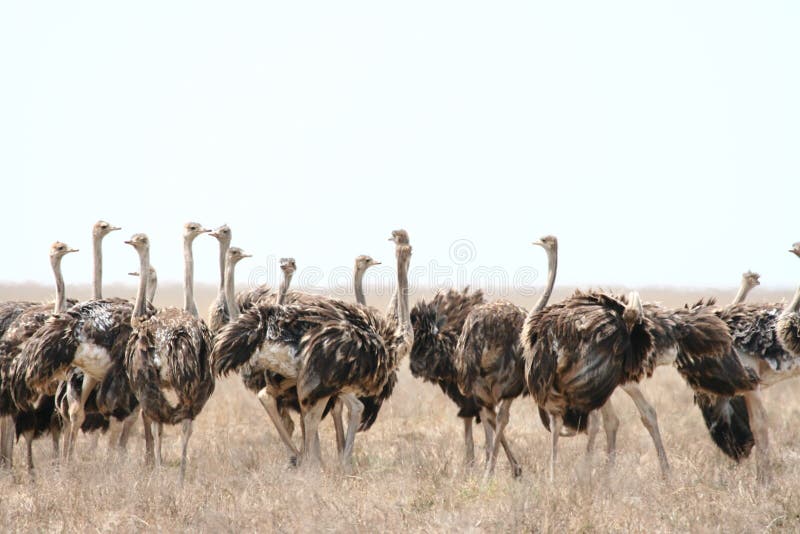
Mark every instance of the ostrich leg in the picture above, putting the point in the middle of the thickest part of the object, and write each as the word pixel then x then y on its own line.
pixel 650 422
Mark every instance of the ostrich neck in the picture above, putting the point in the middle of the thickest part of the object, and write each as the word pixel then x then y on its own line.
pixel 140 308
pixel 230 298
pixel 61 297
pixel 97 278
pixel 552 267
pixel 744 289
pixel 403 316
pixel 794 305
pixel 358 279
pixel 188 278
pixel 224 245
pixel 152 285
pixel 287 280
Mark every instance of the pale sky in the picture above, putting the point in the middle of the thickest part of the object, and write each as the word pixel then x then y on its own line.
pixel 659 141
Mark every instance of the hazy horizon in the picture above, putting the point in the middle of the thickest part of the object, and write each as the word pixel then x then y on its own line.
pixel 657 141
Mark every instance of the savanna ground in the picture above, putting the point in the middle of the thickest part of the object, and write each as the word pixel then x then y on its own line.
pixel 409 474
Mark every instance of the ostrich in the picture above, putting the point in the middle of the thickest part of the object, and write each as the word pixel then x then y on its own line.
pixel 328 348
pixel 764 344
pixel 680 336
pixel 437 326
pixel 69 391
pixel 218 314
pixel 276 392
pixel 168 350
pixel 579 350
pixel 789 322
pixel 32 413
pixel 489 362
pixel 726 416
pixel 90 336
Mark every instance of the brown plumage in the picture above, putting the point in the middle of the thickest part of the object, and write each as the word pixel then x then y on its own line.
pixel 437 326
pixel 33 411
pixel 90 335
pixel 579 350
pixel 328 348
pixel 489 362
pixel 732 407
pixel 169 351
pixel 788 327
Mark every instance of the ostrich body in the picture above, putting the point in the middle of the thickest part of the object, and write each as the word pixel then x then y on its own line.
pixel 490 365
pixel 120 408
pixel 764 338
pixel 169 350
pixel 218 312
pixel 33 414
pixel 788 326
pixel 725 415
pixel 327 349
pixel 437 327
pixel 693 339
pixel 91 336
pixel 578 351
pixel 276 392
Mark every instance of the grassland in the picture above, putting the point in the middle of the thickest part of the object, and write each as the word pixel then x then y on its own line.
pixel 409 474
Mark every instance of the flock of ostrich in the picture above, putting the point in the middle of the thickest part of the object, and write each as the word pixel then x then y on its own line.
pixel 68 367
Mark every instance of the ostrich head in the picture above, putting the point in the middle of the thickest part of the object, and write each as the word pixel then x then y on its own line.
pixel 288 266
pixel 400 237
pixel 235 254
pixel 102 229
pixel 58 250
pixel 139 241
pixel 364 262
pixel 634 311
pixel 193 229
pixel 549 243
pixel 751 279
pixel 223 234
pixel 795 249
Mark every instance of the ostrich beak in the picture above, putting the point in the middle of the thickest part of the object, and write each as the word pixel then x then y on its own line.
pixel 538 243
pixel 114 228
pixel 134 273
pixel 247 255
pixel 129 242
pixel 72 250
pixel 376 263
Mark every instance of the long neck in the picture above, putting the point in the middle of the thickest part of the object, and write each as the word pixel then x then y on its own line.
pixel 230 297
pixel 188 278
pixel 744 289
pixel 61 297
pixel 140 307
pixel 403 315
pixel 224 245
pixel 152 285
pixel 552 267
pixel 97 278
pixel 358 278
pixel 287 280
pixel 794 305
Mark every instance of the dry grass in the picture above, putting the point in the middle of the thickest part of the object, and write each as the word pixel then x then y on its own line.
pixel 409 475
